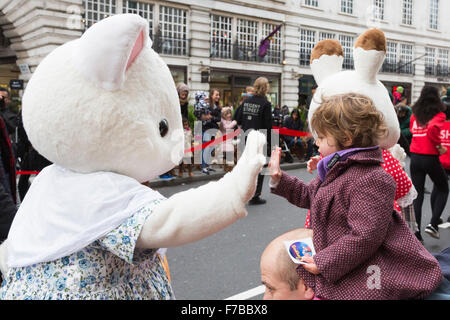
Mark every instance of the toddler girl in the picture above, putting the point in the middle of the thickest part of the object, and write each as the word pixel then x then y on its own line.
pixel 364 247
pixel 226 126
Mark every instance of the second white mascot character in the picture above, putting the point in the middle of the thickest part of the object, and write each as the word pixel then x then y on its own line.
pixel 104 109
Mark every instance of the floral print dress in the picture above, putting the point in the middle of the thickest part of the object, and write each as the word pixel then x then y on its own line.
pixel 109 268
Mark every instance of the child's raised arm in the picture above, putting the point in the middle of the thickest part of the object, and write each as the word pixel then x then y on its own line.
pixel 292 188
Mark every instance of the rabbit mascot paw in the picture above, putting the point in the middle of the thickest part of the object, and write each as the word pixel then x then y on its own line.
pixel 369 53
pixel 104 109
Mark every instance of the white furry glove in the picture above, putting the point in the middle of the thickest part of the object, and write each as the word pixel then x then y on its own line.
pixel 198 213
pixel 249 165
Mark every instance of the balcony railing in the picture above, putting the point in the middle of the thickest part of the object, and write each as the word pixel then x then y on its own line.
pixel 171 46
pixel 306 56
pixel 398 67
pixel 226 50
pixel 437 71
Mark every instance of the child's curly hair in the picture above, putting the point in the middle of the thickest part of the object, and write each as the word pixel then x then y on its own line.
pixel 349 115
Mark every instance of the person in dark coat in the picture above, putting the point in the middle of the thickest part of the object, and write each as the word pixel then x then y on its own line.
pixel 30 159
pixel 7 183
pixel 294 123
pixel 256 113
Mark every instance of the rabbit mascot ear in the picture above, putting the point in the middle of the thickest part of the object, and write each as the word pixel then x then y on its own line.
pixel 369 53
pixel 96 103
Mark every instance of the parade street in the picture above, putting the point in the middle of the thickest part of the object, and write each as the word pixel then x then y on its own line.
pixel 227 264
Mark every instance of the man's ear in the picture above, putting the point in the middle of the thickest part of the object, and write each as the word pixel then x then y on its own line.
pixel 306 292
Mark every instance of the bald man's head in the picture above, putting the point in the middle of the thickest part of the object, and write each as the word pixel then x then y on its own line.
pixel 278 272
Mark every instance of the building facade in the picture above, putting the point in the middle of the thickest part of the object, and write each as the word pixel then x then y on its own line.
pixel 215 44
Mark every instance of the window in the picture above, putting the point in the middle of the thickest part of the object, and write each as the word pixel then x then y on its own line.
pixel 430 60
pixel 312 3
pixel 326 35
pixel 247 40
pixel 307 42
pixel 390 63
pixel 347 46
pixel 347 6
pixel 96 10
pixel 145 10
pixel 406 58
pixel 172 30
pixel 378 12
pixel 434 14
pixel 398 58
pixel 274 53
pixel 221 37
pixel 442 63
pixel 407 12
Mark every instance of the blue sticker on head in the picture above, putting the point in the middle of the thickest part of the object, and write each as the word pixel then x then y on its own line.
pixel 298 250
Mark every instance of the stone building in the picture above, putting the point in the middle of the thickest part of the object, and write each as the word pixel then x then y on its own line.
pixel 209 43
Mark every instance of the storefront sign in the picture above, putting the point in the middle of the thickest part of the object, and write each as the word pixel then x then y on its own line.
pixel 16 84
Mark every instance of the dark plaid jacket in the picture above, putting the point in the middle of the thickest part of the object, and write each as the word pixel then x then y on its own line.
pixel 364 248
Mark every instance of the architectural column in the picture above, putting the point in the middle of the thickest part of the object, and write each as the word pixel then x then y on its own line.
pixel 36 27
pixel 289 78
pixel 419 72
pixel 199 47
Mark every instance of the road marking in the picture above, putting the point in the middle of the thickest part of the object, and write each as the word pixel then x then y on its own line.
pixel 248 294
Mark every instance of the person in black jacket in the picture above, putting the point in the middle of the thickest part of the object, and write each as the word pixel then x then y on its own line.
pixel 256 113
pixel 30 159
pixel 7 183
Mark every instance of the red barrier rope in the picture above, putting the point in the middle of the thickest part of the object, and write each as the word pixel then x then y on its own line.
pixel 231 135
pixel 290 132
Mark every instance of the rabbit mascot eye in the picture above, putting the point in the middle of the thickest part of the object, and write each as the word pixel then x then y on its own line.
pixel 369 53
pixel 104 109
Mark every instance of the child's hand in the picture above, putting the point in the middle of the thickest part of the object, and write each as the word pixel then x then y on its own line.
pixel 310 265
pixel 312 164
pixel 274 166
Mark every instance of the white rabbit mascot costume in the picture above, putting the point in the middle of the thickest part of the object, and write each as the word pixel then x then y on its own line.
pixel 368 53
pixel 104 109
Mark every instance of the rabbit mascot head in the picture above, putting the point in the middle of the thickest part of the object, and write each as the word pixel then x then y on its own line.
pixel 369 53
pixel 106 102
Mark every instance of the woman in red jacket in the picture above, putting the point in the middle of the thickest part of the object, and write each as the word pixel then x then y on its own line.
pixel 426 123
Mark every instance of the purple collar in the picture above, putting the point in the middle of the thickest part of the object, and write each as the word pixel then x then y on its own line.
pixel 329 161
